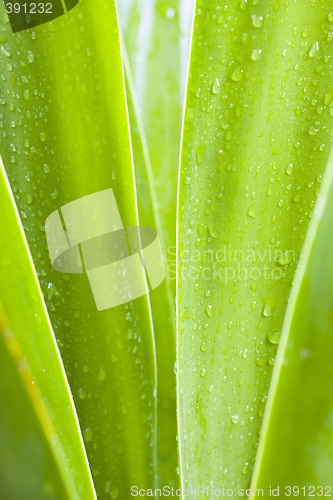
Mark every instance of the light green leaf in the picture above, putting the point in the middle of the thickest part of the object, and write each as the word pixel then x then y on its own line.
pixel 28 468
pixel 296 447
pixel 156 36
pixel 161 299
pixel 256 139
pixel 41 448
pixel 151 31
pixel 67 137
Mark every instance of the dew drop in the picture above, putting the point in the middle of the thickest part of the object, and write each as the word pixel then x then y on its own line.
pixel 81 394
pixel 274 337
pixel 209 311
pixel 268 308
pixel 87 434
pixel 200 154
pixel 313 130
pixel 237 74
pixel 257 21
pixel 5 52
pixel 328 97
pixel 314 51
pixel 216 86
pixel 107 487
pixel 285 258
pixel 256 54
pixel 29 198
pixel 261 412
pixel 289 169
pixel 101 374
pixel 201 229
pixel 212 231
pixel 115 493
pixel 251 212
pixel 245 468
pixel 203 347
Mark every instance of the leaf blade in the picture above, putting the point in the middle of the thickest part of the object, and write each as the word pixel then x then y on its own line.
pixel 152 34
pixel 160 298
pixel 36 359
pixel 77 145
pixel 303 372
pixel 245 198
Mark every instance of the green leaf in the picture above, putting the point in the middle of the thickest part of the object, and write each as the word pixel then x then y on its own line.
pixel 41 448
pixel 67 137
pixel 25 451
pixel 256 139
pixel 151 31
pixel 156 36
pixel 160 299
pixel 296 447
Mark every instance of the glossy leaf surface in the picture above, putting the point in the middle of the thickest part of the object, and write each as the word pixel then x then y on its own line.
pixel 67 137
pixel 256 139
pixel 151 31
pixel 296 447
pixel 40 440
pixel 161 299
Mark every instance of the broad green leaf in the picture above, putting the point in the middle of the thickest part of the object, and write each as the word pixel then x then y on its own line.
pixel 256 139
pixel 296 447
pixel 67 137
pixel 160 299
pixel 41 448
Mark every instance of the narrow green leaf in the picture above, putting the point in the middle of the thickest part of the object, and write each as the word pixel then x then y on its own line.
pixel 296 447
pixel 156 36
pixel 151 31
pixel 40 441
pixel 161 299
pixel 67 137
pixel 256 139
